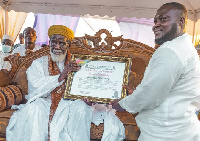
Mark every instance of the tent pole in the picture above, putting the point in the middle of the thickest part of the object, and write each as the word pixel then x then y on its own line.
pixel 195 20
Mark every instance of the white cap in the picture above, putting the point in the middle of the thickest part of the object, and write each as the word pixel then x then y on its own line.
pixel 8 37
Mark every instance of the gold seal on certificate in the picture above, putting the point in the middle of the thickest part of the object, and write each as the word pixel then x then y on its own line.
pixel 100 78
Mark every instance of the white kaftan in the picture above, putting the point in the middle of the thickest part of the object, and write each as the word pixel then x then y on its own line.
pixel 169 94
pixel 4 64
pixel 72 119
pixel 21 49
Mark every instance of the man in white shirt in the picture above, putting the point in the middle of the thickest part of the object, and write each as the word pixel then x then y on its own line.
pixel 46 79
pixel 30 38
pixel 169 95
pixel 7 48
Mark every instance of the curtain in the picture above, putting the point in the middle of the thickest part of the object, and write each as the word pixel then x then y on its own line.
pixel 16 20
pixel 197 33
pixel 93 24
pixel 141 30
pixel 193 31
pixel 1 22
pixel 44 21
pixel 137 29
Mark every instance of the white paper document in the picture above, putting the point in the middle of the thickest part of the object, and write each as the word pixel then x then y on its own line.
pixel 102 79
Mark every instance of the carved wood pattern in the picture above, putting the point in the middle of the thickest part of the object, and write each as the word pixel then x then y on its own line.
pixel 106 47
pixel 18 61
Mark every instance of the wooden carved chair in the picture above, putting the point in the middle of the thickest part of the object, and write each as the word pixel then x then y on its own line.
pixel 88 45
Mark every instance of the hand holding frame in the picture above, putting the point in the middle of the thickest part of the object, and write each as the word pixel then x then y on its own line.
pixel 70 67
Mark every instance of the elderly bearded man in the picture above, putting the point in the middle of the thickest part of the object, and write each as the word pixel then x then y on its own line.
pixel 169 94
pixel 72 119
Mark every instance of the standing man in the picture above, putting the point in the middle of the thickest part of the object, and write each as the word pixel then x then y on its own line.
pixel 30 38
pixel 7 48
pixel 21 41
pixel 169 94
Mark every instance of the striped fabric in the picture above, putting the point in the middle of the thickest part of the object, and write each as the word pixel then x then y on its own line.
pixel 9 95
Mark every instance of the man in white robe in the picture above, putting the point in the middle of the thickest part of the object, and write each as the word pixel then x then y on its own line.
pixel 30 38
pixel 7 48
pixel 72 119
pixel 169 95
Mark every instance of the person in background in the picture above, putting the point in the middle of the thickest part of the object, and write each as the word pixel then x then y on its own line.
pixel 7 48
pixel 30 38
pixel 169 95
pixel 21 41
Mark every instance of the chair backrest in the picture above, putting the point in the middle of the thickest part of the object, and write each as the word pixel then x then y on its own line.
pixel 19 65
pixel 17 62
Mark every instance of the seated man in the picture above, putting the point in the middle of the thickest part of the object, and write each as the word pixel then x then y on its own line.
pixel 72 119
pixel 21 41
pixel 7 46
pixel 30 38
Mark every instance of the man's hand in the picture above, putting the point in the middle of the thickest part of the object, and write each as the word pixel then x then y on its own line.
pixel 116 106
pixel 128 89
pixel 70 67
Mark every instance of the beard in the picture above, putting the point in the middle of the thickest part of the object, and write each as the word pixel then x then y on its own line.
pixel 58 58
pixel 170 35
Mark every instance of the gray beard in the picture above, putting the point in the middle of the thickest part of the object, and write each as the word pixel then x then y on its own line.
pixel 170 35
pixel 58 58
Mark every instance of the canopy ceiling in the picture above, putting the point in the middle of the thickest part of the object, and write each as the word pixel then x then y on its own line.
pixel 118 8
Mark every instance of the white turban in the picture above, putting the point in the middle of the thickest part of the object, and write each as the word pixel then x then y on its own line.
pixel 8 37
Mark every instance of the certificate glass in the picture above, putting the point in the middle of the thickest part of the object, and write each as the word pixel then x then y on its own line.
pixel 100 78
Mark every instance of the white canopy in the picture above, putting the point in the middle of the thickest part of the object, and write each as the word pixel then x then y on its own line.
pixel 118 8
pixel 125 9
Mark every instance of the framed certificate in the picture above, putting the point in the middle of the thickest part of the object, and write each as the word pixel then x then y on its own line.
pixel 100 78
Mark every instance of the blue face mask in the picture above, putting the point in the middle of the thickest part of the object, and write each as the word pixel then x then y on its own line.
pixel 6 48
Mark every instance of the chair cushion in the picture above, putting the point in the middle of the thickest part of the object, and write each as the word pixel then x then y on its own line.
pixel 2 139
pixel 4 120
pixel 132 132
pixel 5 79
pixel 9 95
pixel 131 129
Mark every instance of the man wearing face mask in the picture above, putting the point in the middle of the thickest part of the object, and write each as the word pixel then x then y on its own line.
pixel 7 45
pixel 30 38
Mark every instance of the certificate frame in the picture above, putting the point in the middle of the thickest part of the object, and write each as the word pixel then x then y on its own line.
pixel 75 57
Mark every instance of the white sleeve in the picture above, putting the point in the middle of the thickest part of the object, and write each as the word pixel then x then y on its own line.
pixel 40 85
pixel 162 73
